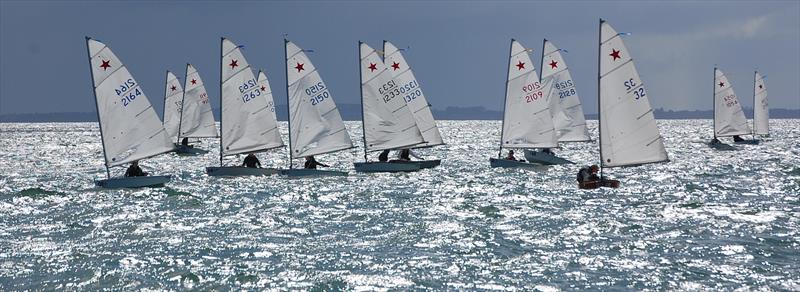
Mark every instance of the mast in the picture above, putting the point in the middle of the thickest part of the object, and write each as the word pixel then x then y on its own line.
pixel 183 101
pixel 754 103
pixel 97 108
pixel 164 110
pixel 714 103
pixel 599 105
pixel 361 91
pixel 505 98
pixel 541 62
pixel 221 39
pixel 288 103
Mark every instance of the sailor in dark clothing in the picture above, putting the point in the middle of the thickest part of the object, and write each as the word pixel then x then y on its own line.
pixel 404 155
pixel 312 163
pixel 185 143
pixel 135 170
pixel 251 161
pixel 384 156
pixel 736 138
pixel 588 175
pixel 547 151
pixel 511 155
pixel 715 141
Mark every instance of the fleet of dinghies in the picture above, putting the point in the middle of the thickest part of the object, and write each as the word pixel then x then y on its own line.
pixel 539 112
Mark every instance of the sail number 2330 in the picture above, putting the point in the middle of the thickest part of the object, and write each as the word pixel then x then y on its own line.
pixel 127 92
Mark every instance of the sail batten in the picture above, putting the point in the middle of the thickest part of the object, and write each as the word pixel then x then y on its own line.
pixel 629 133
pixel 729 119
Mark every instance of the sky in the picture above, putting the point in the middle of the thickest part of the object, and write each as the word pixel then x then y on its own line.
pixel 458 49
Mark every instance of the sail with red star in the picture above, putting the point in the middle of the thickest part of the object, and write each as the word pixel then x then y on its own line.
pixel 266 90
pixel 247 125
pixel 760 106
pixel 413 95
pixel 388 122
pixel 173 97
pixel 527 122
pixel 130 127
pixel 197 118
pixel 565 104
pixel 315 125
pixel 629 134
pixel 729 119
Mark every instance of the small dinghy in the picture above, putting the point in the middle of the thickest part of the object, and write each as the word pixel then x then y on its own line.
pixel 130 129
pixel 412 93
pixel 187 113
pixel 315 125
pixel 527 122
pixel 248 123
pixel 760 107
pixel 629 134
pixel 544 158
pixel 387 122
pixel 729 119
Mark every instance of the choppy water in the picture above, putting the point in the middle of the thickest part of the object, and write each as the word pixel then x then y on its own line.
pixel 707 220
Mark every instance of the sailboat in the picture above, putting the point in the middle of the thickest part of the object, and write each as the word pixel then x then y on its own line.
pixel 247 119
pixel 130 129
pixel 729 119
pixel 196 116
pixel 760 107
pixel 629 134
pixel 527 122
pixel 315 125
pixel 173 99
pixel 387 122
pixel 417 103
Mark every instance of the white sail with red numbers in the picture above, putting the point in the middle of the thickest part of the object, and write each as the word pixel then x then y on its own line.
pixel 527 122
pixel 388 122
pixel 197 119
pixel 729 118
pixel 130 126
pixel 565 105
pixel 628 131
pixel 316 126
pixel 173 97
pixel 247 124
pixel 412 93
pixel 760 106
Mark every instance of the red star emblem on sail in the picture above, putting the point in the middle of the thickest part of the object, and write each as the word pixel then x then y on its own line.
pixel 614 54
pixel 760 86
pixel 173 88
pixel 395 65
pixel 721 84
pixel 553 64
pixel 106 65
pixel 234 63
pixel 299 67
pixel 372 67
pixel 263 88
pixel 520 65
pixel 194 82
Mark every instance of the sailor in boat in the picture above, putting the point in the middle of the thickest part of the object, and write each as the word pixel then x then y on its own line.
pixel 185 143
pixel 251 161
pixel 404 155
pixel 384 156
pixel 510 155
pixel 736 138
pixel 135 170
pixel 587 177
pixel 548 151
pixel 715 141
pixel 312 163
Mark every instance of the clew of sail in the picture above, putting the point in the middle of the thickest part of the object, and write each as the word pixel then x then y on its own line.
pixel 628 131
pixel 729 118
pixel 565 105
pixel 173 97
pixel 760 106
pixel 197 120
pixel 130 126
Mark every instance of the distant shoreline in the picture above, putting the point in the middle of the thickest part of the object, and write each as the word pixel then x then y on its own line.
pixel 352 112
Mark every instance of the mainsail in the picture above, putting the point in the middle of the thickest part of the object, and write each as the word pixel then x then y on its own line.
pixel 172 105
pixel 527 122
pixel 130 128
pixel 729 118
pixel 411 92
pixel 388 122
pixel 315 125
pixel 247 124
pixel 628 131
pixel 760 106
pixel 197 119
pixel 565 105
pixel 263 84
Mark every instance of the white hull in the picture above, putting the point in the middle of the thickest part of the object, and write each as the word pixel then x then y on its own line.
pixel 239 171
pixel 133 182
pixel 544 158
pixel 494 162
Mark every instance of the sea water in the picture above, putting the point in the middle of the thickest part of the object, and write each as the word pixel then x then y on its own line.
pixel 706 220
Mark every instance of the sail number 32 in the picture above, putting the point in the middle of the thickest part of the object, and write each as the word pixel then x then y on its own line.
pixel 638 92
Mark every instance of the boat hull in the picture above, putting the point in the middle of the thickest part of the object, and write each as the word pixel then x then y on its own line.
pixel 311 172
pixel 189 151
pixel 386 166
pixel 427 163
pixel 722 146
pixel 494 162
pixel 133 182
pixel 239 171
pixel 606 183
pixel 748 142
pixel 544 158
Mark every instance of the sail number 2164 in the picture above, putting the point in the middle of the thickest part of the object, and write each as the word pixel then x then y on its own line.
pixel 125 91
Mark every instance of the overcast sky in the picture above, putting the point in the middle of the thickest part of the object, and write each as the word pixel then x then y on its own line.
pixel 459 49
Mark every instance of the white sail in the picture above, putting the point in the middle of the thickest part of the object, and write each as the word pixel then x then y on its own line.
pixel 197 120
pixel 565 105
pixel 760 106
pixel 172 105
pixel 729 118
pixel 388 122
pixel 316 126
pixel 247 124
pixel 263 85
pixel 131 128
pixel 628 131
pixel 527 122
pixel 412 94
